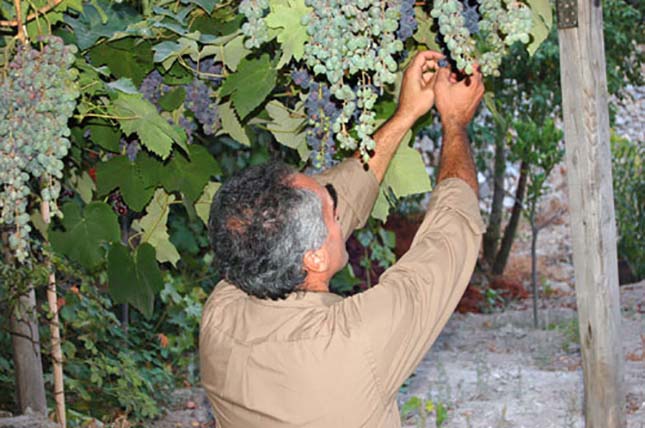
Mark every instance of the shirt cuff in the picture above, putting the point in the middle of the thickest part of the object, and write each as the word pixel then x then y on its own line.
pixel 357 190
pixel 454 194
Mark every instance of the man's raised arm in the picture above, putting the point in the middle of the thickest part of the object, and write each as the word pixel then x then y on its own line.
pixel 356 188
pixel 402 316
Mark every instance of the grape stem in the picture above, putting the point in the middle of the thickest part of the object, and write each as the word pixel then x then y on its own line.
pixel 105 116
pixel 18 22
pixel 201 73
pixel 21 30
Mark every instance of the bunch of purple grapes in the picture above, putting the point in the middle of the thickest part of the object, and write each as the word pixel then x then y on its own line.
pixel 408 22
pixel 471 16
pixel 321 112
pixel 199 100
pixel 118 205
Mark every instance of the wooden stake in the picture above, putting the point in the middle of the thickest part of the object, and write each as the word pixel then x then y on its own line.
pixel 54 328
pixel 586 130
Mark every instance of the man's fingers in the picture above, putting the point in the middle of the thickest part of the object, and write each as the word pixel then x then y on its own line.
pixel 429 65
pixel 422 57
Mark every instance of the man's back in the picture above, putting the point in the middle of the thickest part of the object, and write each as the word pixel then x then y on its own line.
pixel 289 363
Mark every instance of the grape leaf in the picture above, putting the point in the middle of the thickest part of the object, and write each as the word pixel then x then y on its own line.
pixel 287 127
pixel 171 100
pixel 153 227
pixel 83 185
pixel 203 204
pixel 229 51
pixel 103 134
pixel 207 5
pixel 250 84
pixel 100 18
pixel 134 280
pixel 85 232
pixel 136 180
pixel 190 176
pixel 424 34
pixel 291 33
pixel 405 176
pixel 125 58
pixel 168 52
pixel 234 52
pixel 231 125
pixel 136 115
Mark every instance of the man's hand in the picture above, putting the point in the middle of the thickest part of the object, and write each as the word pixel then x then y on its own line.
pixel 417 95
pixel 457 102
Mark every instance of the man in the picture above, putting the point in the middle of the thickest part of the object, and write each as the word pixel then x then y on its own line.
pixel 277 349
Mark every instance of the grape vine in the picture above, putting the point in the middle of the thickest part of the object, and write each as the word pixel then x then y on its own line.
pixel 38 95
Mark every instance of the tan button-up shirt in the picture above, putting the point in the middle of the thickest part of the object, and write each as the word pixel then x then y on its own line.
pixel 318 360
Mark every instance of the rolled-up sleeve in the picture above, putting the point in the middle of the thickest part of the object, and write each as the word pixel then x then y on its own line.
pixel 357 190
pixel 402 316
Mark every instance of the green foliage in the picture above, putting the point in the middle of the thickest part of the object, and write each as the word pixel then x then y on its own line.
pixel 539 145
pixel 629 201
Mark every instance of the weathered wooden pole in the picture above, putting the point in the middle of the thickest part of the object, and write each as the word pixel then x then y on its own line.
pixel 586 130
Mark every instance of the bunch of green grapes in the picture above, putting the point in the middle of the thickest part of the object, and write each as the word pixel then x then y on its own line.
pixel 352 48
pixel 38 94
pixel 497 24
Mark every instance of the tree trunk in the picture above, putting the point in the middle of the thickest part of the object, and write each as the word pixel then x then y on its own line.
pixel 534 279
pixel 491 237
pixel 30 385
pixel 509 232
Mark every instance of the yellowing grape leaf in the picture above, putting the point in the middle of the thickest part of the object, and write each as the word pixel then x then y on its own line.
pixel 291 33
pixel 231 125
pixel 203 204
pixel 542 20
pixel 153 227
pixel 225 50
pixel 287 125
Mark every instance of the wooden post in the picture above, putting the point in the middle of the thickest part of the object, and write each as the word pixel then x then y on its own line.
pixel 586 130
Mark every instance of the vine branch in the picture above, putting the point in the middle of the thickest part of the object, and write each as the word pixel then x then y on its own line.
pixel 18 21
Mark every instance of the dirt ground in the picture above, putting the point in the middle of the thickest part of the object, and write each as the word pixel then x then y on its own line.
pixel 496 370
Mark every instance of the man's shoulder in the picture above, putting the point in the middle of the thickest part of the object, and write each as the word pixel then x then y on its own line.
pixel 223 295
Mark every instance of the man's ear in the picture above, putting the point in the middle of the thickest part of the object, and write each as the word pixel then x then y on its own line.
pixel 316 260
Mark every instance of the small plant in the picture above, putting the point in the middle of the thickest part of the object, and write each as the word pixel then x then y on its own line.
pixel 570 332
pixel 423 409
pixel 483 375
